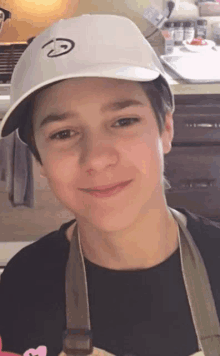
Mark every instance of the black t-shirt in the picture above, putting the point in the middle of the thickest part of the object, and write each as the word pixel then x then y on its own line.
pixel 140 312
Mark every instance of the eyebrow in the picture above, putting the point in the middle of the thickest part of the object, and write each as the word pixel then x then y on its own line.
pixel 113 106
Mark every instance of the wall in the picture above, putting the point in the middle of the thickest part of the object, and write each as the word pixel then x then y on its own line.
pixel 132 9
pixel 30 17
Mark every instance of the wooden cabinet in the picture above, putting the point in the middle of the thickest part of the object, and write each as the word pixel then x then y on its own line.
pixel 193 165
pixel 197 119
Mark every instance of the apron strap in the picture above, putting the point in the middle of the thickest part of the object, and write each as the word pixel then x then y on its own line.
pixel 77 339
pixel 199 293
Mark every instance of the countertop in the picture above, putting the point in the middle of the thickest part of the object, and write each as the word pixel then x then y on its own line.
pixel 182 87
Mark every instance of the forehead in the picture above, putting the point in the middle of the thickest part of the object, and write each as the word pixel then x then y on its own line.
pixel 84 88
pixel 85 95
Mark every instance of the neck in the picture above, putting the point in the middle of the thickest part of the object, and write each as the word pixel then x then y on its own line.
pixel 145 244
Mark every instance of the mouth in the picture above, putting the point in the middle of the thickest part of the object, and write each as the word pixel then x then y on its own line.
pixel 107 190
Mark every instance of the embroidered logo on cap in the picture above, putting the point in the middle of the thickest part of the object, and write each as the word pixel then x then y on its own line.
pixel 58 47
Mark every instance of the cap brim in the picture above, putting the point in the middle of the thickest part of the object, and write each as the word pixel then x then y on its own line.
pixel 15 116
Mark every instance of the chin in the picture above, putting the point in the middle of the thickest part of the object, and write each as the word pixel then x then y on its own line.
pixel 109 222
pixel 111 225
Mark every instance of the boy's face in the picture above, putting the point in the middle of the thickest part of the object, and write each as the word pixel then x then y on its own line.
pixel 99 144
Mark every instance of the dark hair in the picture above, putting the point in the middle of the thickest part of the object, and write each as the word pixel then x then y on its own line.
pixel 157 91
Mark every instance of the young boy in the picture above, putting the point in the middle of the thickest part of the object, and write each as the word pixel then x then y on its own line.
pixel 90 99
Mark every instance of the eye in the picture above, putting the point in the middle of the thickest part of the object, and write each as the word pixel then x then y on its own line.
pixel 127 121
pixel 68 134
pixel 62 135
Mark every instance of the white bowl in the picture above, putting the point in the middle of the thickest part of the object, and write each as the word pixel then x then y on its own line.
pixel 199 48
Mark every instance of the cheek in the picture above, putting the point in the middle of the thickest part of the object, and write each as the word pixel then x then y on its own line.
pixel 146 154
pixel 60 172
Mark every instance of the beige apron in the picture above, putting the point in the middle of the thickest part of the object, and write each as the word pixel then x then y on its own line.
pixel 77 339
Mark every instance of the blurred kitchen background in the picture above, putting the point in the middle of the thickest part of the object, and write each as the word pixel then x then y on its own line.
pixel 193 166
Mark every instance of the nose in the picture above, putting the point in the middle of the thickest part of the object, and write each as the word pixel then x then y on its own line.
pixel 98 154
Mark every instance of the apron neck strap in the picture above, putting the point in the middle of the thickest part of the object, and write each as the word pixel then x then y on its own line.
pixel 199 292
pixel 77 339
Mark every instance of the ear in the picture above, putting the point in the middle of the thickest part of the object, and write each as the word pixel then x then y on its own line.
pixel 168 132
pixel 42 172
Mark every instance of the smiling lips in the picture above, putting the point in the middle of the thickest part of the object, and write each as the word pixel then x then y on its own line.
pixel 108 189
pixel 104 187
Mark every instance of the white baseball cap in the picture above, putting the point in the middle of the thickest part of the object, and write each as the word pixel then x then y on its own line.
pixel 90 45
